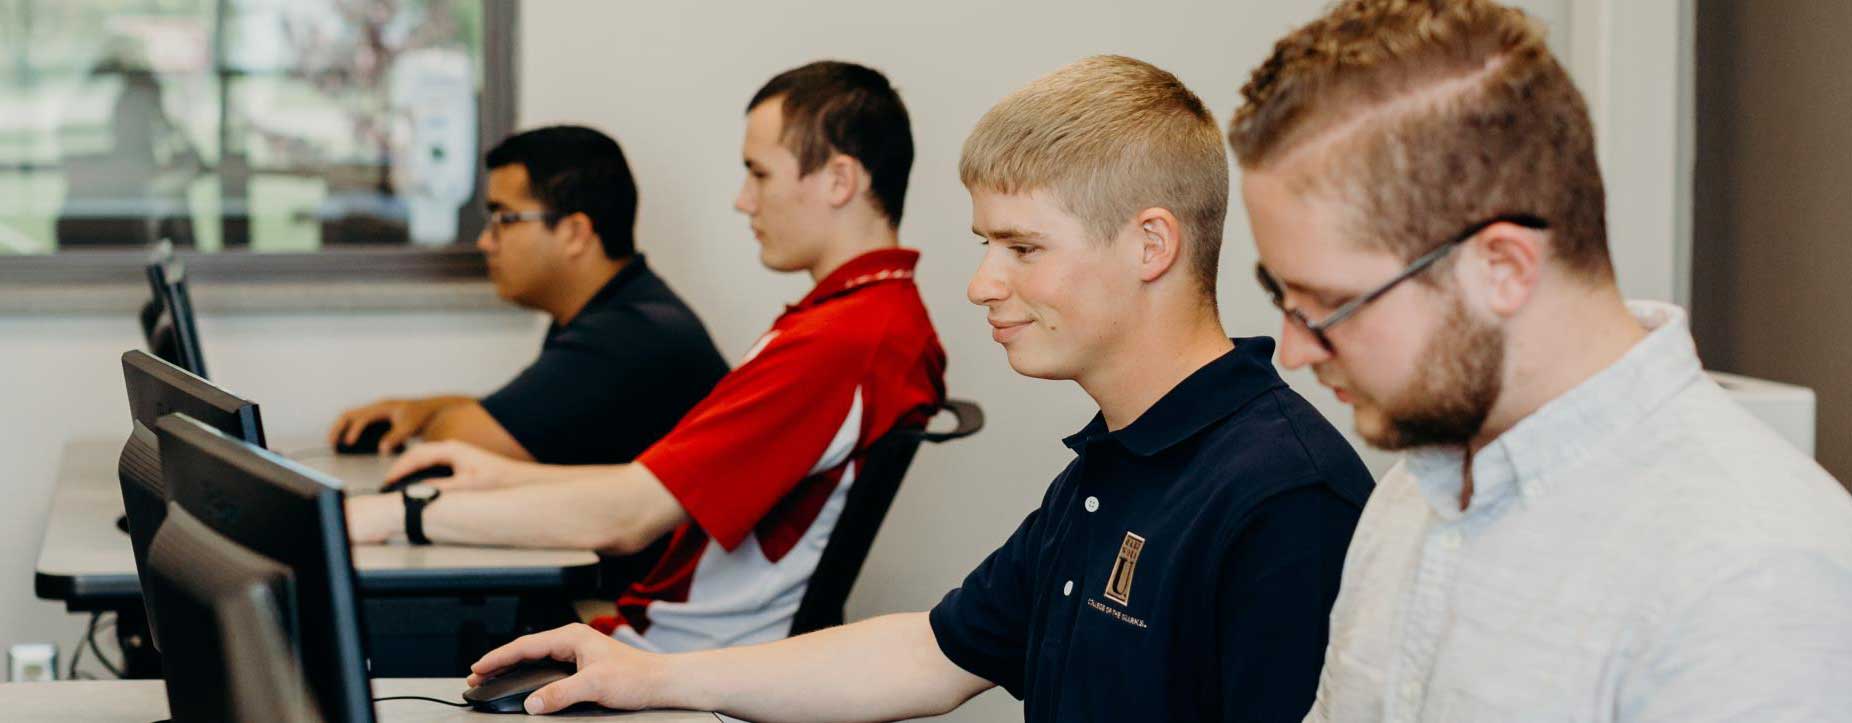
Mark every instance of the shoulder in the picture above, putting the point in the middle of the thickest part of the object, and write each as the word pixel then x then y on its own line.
pixel 658 325
pixel 1278 442
pixel 1722 478
pixel 888 315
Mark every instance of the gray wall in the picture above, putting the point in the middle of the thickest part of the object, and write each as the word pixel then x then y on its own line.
pixel 1772 241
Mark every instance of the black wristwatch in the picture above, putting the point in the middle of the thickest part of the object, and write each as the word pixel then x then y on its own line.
pixel 417 497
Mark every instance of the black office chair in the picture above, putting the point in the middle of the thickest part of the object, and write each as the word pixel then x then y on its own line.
pixel 869 498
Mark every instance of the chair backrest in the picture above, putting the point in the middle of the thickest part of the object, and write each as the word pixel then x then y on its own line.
pixel 866 506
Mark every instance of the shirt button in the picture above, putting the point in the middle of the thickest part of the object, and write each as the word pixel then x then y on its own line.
pixel 1532 488
pixel 1411 690
pixel 1067 589
pixel 1093 504
pixel 1450 540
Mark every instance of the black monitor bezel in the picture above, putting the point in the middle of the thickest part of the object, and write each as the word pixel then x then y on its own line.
pixel 220 479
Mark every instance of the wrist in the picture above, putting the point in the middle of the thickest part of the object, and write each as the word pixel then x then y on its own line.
pixel 415 500
pixel 516 474
pixel 677 683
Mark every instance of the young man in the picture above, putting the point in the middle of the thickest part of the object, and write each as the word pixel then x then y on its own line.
pixel 749 485
pixel 1585 527
pixel 1182 567
pixel 624 358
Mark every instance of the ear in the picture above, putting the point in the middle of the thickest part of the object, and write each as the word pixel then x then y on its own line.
pixel 844 180
pixel 1159 242
pixel 1508 263
pixel 579 237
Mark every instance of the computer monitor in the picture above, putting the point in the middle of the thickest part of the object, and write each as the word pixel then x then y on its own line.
pixel 167 321
pixel 228 646
pixel 293 515
pixel 156 388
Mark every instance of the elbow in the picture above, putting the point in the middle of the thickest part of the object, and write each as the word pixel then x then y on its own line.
pixel 626 539
pixel 617 544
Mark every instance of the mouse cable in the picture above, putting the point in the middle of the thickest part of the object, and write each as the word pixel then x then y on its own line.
pixel 90 636
pixel 77 650
pixel 420 697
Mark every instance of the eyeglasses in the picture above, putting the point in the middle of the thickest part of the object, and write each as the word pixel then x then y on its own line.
pixel 498 219
pixel 1319 328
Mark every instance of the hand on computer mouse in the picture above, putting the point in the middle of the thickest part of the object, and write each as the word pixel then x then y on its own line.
pixel 435 474
pixel 355 431
pixel 610 673
pixel 471 467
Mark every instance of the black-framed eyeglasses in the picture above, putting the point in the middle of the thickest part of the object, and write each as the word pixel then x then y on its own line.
pixel 498 219
pixel 1350 308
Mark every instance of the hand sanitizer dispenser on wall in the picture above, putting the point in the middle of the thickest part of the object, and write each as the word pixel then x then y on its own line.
pixel 434 92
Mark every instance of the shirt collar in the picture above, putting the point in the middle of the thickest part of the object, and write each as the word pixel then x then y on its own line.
pixel 1571 425
pixel 1203 398
pixel 870 268
pixel 633 269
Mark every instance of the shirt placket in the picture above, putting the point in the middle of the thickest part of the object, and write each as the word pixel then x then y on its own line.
pixel 1069 580
pixel 1425 619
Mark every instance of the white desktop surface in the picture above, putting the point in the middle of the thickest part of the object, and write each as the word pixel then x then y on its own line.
pixel 81 538
pixel 141 701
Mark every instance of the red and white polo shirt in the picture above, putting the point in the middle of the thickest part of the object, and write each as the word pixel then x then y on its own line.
pixel 763 465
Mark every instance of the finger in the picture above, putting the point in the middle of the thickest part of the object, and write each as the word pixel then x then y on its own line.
pixel 344 428
pixel 393 438
pixel 420 457
pixel 576 688
pixel 558 644
pixel 356 421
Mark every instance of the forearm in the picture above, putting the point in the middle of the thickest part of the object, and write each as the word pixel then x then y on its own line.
pixel 887 668
pixel 614 511
pixel 465 420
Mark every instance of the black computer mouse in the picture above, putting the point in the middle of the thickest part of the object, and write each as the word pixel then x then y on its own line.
pixel 368 441
pixel 436 471
pixel 507 692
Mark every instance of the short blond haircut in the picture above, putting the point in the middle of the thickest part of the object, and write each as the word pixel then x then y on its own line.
pixel 1107 137
pixel 1428 116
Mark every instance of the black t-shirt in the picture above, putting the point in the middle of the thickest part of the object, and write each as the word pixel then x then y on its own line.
pixel 615 379
pixel 1181 568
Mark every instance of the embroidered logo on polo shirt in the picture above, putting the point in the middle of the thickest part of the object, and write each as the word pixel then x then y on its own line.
pixel 1119 583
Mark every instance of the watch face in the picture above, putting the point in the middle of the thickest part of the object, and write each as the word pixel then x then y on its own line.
pixel 421 492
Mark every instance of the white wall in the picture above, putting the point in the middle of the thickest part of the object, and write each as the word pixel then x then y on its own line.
pixel 1634 60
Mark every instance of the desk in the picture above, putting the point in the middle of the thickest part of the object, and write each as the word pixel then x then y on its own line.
pixel 140 701
pixel 86 562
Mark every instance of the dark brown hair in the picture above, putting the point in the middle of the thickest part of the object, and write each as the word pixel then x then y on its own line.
pixel 834 107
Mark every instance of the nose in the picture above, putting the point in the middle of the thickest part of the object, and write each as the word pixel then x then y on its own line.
pixel 485 239
pixel 743 202
pixel 1298 347
pixel 987 286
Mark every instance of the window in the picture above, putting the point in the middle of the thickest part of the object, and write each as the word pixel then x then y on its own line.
pixel 286 136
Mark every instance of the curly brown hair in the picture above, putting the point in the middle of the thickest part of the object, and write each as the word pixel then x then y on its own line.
pixel 1424 116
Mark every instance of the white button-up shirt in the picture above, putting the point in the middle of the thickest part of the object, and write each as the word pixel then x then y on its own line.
pixel 1638 549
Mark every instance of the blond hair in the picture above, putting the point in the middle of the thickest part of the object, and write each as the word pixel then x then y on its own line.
pixel 1427 116
pixel 1107 137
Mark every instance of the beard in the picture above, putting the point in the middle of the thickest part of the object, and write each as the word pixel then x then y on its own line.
pixel 1453 393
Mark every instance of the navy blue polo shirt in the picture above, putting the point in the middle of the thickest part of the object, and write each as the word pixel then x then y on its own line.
pixel 1181 568
pixel 615 378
